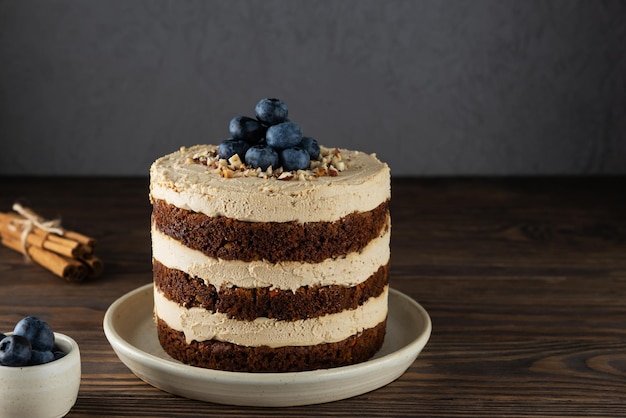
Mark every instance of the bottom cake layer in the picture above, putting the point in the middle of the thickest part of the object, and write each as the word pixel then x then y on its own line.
pixel 231 357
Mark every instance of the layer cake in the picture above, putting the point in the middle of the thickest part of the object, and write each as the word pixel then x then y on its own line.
pixel 255 271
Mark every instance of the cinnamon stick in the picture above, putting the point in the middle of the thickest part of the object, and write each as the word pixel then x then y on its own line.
pixel 67 254
pixel 95 264
pixel 64 246
pixel 45 240
pixel 83 239
pixel 67 268
pixel 71 244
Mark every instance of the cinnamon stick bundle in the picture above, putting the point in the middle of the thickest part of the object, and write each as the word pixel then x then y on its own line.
pixel 67 254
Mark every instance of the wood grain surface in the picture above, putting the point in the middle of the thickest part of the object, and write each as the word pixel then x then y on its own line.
pixel 524 279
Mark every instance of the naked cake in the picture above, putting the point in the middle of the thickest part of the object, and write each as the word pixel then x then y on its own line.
pixel 270 267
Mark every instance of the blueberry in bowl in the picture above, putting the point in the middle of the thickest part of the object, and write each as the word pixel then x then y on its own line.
pixel 41 381
pixel 15 351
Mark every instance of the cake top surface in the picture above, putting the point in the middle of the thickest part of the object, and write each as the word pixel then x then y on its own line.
pixel 192 178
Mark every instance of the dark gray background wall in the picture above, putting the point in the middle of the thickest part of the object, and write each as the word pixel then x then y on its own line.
pixel 433 87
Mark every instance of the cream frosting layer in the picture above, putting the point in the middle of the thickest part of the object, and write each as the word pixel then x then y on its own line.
pixel 201 325
pixel 183 183
pixel 347 271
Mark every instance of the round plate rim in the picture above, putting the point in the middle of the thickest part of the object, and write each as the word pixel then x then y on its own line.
pixel 126 351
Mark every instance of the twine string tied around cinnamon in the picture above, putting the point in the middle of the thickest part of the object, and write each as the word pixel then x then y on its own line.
pixel 31 220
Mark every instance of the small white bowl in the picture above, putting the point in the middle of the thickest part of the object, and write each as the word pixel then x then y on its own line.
pixel 46 390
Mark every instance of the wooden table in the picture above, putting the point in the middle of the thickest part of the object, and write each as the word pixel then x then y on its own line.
pixel 524 279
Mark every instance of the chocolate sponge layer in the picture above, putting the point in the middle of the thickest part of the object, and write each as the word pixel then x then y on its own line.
pixel 226 356
pixel 231 239
pixel 248 304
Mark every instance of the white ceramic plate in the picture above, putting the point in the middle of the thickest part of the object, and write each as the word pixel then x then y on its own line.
pixel 130 328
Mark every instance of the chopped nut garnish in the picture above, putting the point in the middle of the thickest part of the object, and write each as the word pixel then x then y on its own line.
pixel 329 163
pixel 235 161
pixel 287 175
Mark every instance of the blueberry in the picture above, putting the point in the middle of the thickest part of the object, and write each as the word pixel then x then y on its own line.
pixel 248 129
pixel 294 159
pixel 230 147
pixel 284 135
pixel 40 357
pixel 37 331
pixel 271 111
pixel 262 156
pixel 2 336
pixel 15 350
pixel 58 354
pixel 311 146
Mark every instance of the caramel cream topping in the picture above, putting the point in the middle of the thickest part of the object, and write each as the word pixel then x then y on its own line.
pixel 180 181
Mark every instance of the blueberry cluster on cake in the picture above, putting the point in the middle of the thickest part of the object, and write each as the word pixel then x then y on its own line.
pixel 270 252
